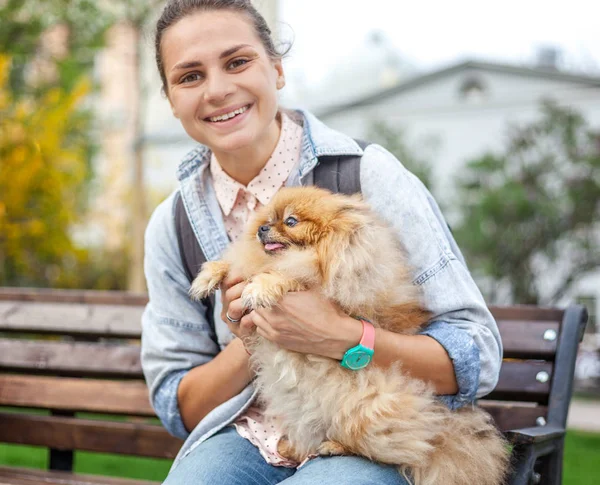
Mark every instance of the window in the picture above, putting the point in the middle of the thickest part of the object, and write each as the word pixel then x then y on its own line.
pixel 473 90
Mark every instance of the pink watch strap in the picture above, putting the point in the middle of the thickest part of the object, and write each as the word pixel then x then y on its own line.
pixel 368 336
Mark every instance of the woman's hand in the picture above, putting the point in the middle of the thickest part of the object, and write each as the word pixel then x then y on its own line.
pixel 307 322
pixel 231 292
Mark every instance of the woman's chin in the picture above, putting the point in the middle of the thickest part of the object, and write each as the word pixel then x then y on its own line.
pixel 230 143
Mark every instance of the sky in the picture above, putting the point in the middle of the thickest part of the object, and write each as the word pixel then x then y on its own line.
pixel 432 33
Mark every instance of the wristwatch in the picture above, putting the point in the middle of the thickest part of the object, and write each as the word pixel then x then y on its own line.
pixel 360 356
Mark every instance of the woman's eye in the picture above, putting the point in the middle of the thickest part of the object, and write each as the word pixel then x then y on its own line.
pixel 190 78
pixel 237 63
pixel 291 221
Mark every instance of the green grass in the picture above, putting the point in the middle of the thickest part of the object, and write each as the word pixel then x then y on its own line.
pixel 581 467
pixel 87 462
pixel 91 463
pixel 582 456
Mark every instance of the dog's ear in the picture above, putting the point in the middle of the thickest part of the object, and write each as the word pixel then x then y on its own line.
pixel 352 213
pixel 340 249
pixel 353 204
pixel 330 252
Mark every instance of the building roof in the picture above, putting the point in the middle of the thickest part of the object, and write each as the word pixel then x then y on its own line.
pixel 422 79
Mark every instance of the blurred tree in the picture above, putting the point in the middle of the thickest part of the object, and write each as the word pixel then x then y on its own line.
pixel 137 15
pixel 42 174
pixel 393 139
pixel 23 25
pixel 532 212
pixel 47 142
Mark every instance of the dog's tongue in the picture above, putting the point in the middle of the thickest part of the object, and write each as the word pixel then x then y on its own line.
pixel 273 246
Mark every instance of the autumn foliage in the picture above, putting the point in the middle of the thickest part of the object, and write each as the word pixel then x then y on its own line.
pixel 43 173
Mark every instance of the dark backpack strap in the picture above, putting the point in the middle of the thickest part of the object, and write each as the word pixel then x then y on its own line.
pixel 192 256
pixel 339 174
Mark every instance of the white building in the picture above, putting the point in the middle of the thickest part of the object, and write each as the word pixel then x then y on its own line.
pixel 467 107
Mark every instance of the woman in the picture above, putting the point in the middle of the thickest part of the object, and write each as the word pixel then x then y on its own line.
pixel 221 74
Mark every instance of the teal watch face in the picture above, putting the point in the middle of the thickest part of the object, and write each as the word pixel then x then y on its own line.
pixel 357 358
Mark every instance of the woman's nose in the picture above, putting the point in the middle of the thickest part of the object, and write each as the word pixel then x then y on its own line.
pixel 217 87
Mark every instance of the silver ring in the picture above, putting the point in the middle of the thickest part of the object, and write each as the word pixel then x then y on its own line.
pixel 231 319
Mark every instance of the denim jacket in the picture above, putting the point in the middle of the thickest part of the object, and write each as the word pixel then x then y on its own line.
pixel 177 337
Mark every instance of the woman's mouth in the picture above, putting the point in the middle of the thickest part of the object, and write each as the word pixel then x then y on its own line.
pixel 227 117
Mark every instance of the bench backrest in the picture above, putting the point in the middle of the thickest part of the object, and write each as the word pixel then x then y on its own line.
pixel 76 353
pixel 536 378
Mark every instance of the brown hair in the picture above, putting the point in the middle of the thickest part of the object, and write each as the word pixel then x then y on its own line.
pixel 175 10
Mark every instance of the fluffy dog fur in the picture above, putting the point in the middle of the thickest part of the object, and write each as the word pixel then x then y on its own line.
pixel 336 243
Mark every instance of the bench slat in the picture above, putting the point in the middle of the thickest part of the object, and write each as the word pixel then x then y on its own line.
pixel 71 358
pixel 28 476
pixel 73 395
pixel 73 296
pixel 513 415
pixel 527 312
pixel 519 381
pixel 95 320
pixel 524 339
pixel 89 435
pixel 518 312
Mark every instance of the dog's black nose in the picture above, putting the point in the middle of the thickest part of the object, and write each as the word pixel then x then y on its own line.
pixel 263 229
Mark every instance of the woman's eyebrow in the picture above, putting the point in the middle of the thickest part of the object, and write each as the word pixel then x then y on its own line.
pixel 192 64
pixel 233 50
pixel 186 65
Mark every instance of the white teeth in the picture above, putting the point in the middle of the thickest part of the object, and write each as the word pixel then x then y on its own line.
pixel 227 116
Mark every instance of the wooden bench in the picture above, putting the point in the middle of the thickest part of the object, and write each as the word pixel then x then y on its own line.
pixel 93 368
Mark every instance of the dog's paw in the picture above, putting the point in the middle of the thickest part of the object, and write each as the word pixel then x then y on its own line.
pixel 261 293
pixel 331 448
pixel 209 278
pixel 265 290
pixel 287 450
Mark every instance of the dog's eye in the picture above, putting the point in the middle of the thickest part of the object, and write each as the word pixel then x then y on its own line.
pixel 291 221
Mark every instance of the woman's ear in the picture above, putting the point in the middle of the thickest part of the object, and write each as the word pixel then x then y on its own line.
pixel 280 82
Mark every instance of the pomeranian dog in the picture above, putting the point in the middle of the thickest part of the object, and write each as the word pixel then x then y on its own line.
pixel 309 238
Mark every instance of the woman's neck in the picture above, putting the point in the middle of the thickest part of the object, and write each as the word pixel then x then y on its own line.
pixel 245 164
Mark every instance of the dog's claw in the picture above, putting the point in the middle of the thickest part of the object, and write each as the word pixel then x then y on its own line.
pixel 209 278
pixel 253 297
pixel 203 285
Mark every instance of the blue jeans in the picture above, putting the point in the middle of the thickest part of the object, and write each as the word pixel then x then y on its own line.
pixel 228 459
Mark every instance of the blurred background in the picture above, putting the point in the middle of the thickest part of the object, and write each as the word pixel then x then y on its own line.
pixel 495 106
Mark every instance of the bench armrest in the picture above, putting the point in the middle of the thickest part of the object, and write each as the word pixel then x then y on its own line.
pixel 535 435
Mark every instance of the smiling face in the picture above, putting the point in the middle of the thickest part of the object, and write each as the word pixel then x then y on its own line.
pixel 221 83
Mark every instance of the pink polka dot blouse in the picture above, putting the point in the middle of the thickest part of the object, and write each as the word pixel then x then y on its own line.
pixel 238 201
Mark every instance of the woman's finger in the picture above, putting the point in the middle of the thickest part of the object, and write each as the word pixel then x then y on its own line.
pixel 247 326
pixel 263 333
pixel 247 323
pixel 231 280
pixel 234 292
pixel 271 316
pixel 235 310
pixel 263 328
pixel 228 299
